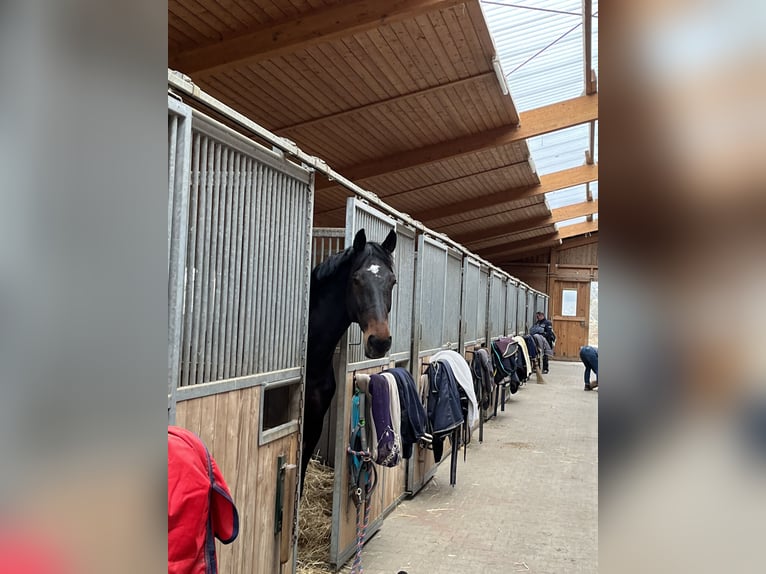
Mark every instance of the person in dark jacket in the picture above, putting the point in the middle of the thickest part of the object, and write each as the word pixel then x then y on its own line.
pixel 589 358
pixel 544 327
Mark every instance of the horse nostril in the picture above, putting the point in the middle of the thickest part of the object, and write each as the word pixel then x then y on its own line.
pixel 379 343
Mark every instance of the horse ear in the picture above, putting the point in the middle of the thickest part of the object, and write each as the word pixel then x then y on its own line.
pixel 360 240
pixel 390 242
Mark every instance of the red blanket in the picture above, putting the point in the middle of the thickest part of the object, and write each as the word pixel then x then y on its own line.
pixel 199 506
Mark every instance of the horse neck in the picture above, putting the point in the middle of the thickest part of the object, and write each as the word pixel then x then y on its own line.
pixel 327 328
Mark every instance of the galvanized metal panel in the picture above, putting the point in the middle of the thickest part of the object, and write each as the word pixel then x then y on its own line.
pixel 376 225
pixel 432 271
pixel 404 291
pixel 326 241
pixel 483 302
pixel 511 303
pixel 452 307
pixel 179 162
pixel 530 309
pixel 247 266
pixel 497 305
pixel 521 310
pixel 472 331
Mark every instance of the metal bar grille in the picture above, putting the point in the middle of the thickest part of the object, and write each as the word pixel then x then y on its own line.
pixel 521 310
pixel 530 309
pixel 376 226
pixel 511 302
pixel 497 305
pixel 452 305
pixel 483 302
pixel 404 291
pixel 243 306
pixel 472 287
pixel 432 259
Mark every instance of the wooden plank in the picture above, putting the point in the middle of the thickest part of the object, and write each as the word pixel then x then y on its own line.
pixel 193 24
pixel 416 42
pixel 548 183
pixel 217 447
pixel 382 52
pixel 533 123
pixel 246 459
pixel 336 73
pixel 446 39
pixel 236 432
pixel 577 242
pixel 189 415
pixel 557 215
pixel 309 29
pixel 578 229
pixel 480 27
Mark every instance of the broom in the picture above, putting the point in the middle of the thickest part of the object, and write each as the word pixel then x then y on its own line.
pixel 538 360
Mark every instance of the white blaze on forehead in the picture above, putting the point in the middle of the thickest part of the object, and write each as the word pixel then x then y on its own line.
pixel 374 269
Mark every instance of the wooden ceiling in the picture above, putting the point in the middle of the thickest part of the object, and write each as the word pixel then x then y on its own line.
pixel 400 96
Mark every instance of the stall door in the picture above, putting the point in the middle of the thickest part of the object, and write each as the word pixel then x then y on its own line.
pixel 571 303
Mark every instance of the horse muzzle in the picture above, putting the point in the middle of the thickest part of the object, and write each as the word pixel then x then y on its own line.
pixel 376 347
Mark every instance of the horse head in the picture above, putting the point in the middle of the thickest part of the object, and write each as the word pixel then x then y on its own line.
pixel 371 282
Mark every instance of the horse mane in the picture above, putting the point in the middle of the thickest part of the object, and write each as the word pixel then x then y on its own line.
pixel 330 266
pixel 327 268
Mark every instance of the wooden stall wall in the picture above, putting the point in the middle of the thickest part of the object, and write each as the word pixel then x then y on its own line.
pixel 228 424
pixel 389 491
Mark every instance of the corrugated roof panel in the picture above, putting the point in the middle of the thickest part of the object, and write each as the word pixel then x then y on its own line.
pixel 542 56
pixel 559 150
pixel 570 222
pixel 568 196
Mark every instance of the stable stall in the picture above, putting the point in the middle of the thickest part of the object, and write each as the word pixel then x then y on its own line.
pixel 240 231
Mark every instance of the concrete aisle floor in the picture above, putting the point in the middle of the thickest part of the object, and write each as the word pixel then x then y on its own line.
pixel 526 500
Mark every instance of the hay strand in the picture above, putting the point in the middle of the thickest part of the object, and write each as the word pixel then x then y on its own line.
pixel 315 520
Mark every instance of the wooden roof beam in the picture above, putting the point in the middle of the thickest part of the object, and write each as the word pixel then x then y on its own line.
pixel 533 123
pixel 548 183
pixel 533 244
pixel 434 186
pixel 557 215
pixel 316 27
pixel 566 244
pixel 511 256
pixel 563 233
pixel 587 26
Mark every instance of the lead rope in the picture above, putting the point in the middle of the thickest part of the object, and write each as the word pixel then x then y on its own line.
pixel 363 495
pixel 366 482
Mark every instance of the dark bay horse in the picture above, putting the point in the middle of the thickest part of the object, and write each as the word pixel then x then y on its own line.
pixel 353 286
